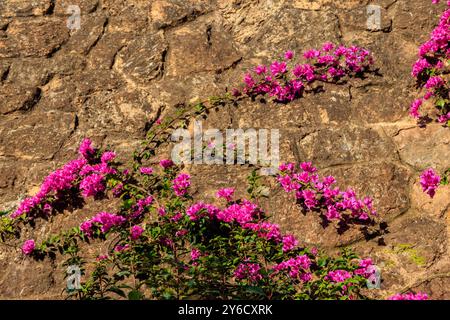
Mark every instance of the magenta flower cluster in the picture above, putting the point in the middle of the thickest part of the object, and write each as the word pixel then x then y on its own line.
pixel 119 248
pixel 166 163
pixel 146 170
pixel 104 221
pixel 226 193
pixel 430 180
pixel 86 150
pixel 409 296
pixel 317 193
pixel 285 80
pixel 266 230
pixel 289 243
pixel 55 183
pixel 338 275
pixel 92 185
pixel 136 232
pixel 242 213
pixel 180 184
pixel 249 271
pixel 297 267
pixel 437 1
pixel 141 206
pixel 87 174
pixel 200 209
pixel 365 268
pixel 246 215
pixel 195 254
pixel 28 247
pixel 430 68
pixel 239 213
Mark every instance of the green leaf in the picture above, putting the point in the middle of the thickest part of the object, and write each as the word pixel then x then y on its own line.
pixel 118 291
pixel 440 103
pixel 321 262
pixel 127 204
pixel 167 295
pixel 135 295
pixel 3 213
pixel 123 273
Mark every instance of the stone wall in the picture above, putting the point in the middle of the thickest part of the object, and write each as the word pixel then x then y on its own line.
pixel 134 59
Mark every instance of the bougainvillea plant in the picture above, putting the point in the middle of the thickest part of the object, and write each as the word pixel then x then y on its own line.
pixel 285 80
pixel 431 72
pixel 315 193
pixel 163 244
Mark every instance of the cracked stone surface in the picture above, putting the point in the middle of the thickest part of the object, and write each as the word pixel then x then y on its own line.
pixel 133 58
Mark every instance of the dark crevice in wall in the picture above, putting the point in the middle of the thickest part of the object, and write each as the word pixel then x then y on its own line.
pixel 51 8
pixel 209 35
pixel 5 74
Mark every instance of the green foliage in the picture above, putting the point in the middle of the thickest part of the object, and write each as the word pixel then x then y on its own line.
pixel 255 188
pixel 446 177
pixel 8 227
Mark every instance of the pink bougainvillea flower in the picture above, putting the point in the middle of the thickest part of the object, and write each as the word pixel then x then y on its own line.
pixel 28 247
pixel 289 243
pixel 316 194
pixel 146 170
pixel 409 296
pixel 92 185
pixel 444 118
pixel 119 248
pixel 86 149
pixel 102 257
pixel 261 69
pixel 248 271
pixel 295 267
pixel 338 275
pixel 225 193
pixel 288 55
pixel 136 232
pixel 181 233
pixel 328 46
pixel 430 180
pixel 278 68
pixel 86 228
pixel 180 184
pixel 434 82
pixel 311 54
pixel 414 110
pixel 195 254
pixel 166 163
pixel 108 156
pixel 104 220
pixel 117 191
